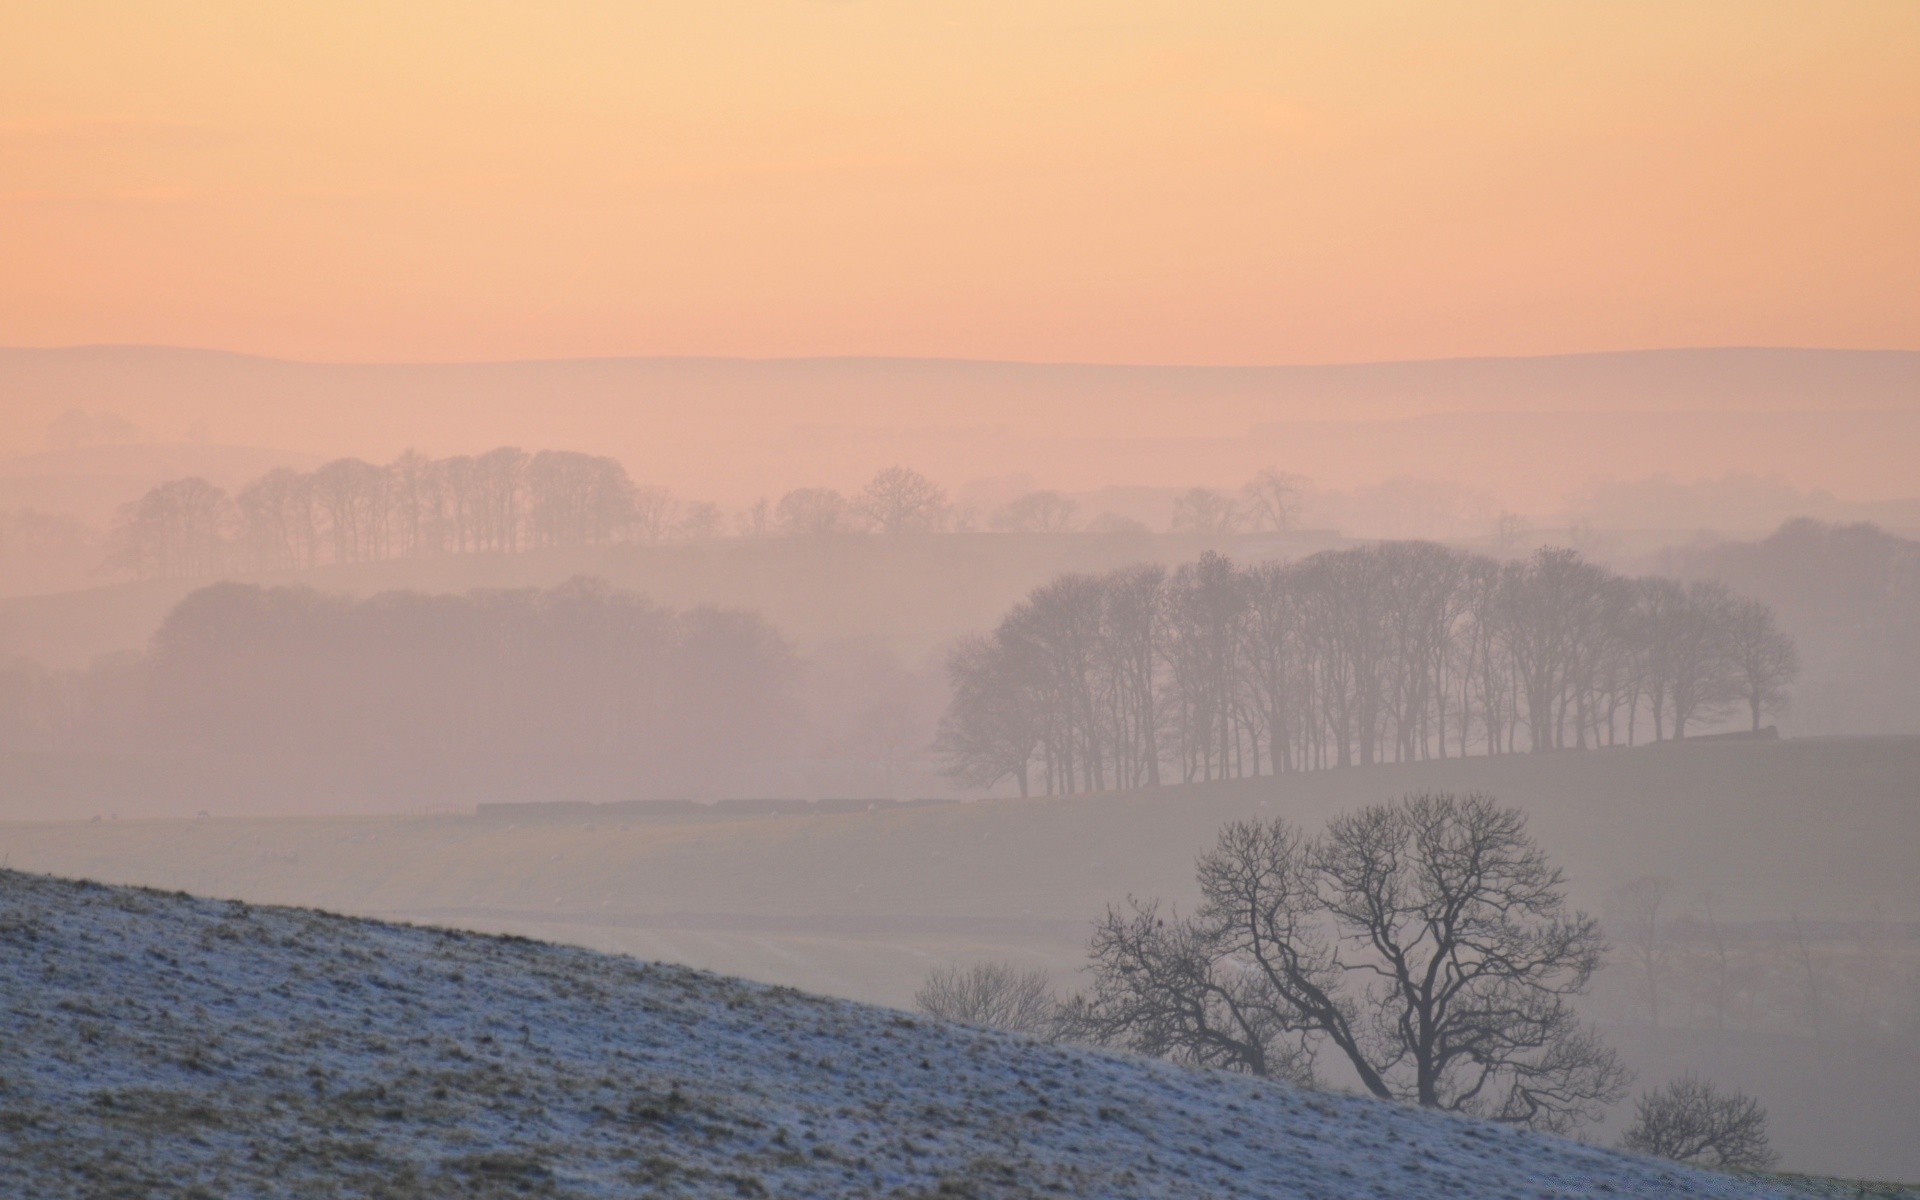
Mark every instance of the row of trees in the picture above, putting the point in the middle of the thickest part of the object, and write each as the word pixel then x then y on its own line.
pixel 581 674
pixel 1686 965
pixel 505 500
pixel 502 501
pixel 1391 652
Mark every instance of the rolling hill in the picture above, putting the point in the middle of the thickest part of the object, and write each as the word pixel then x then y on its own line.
pixel 732 429
pixel 160 1045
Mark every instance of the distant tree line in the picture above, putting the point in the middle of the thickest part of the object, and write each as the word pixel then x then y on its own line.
pixel 581 672
pixel 1398 651
pixel 1686 965
pixel 505 500
pixel 351 511
pixel 436 688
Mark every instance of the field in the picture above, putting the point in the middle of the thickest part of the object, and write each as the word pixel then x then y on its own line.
pixel 184 1047
pixel 862 904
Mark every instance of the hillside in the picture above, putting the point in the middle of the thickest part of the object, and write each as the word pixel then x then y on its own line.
pixel 732 429
pixel 184 1047
pixel 861 904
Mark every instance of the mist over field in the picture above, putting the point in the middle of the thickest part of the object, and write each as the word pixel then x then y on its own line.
pixel 869 600
pixel 841 739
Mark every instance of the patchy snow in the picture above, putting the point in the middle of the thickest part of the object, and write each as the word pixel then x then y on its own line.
pixel 155 1044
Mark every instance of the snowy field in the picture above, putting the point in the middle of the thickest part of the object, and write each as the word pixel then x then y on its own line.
pixel 158 1045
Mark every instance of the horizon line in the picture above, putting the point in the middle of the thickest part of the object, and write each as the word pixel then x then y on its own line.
pixel 954 359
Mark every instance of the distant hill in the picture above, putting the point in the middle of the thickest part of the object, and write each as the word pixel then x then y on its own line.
pixel 181 1047
pixel 91 482
pixel 729 429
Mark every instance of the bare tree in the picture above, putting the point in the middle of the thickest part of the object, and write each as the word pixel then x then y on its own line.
pixel 1204 510
pixel 1174 988
pixel 177 530
pixel 654 510
pixel 1638 924
pixel 1035 512
pixel 702 521
pixel 902 500
pixel 992 723
pixel 812 512
pixel 1763 659
pixel 1692 1121
pixel 756 519
pixel 1427 941
pixel 1271 500
pixel 994 994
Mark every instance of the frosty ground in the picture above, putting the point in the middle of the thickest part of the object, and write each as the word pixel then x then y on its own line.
pixel 159 1045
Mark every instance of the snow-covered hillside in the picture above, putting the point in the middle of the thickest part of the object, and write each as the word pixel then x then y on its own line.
pixel 159 1045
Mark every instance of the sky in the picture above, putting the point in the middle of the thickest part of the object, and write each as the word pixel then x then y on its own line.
pixel 1200 181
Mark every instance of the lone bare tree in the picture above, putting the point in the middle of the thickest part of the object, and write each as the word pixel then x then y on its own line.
pixel 1640 924
pixel 902 500
pixel 1271 500
pixel 1428 942
pixel 1692 1121
pixel 1204 510
pixel 995 994
pixel 812 512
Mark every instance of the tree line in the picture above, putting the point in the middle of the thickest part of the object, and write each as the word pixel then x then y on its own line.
pixel 423 687
pixel 505 500
pixel 1397 651
pixel 350 511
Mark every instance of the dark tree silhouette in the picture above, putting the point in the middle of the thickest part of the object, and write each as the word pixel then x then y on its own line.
pixel 1427 942
pixel 1764 661
pixel 1204 510
pixel 1401 651
pixel 1692 1121
pixel 902 500
pixel 813 512
pixel 993 994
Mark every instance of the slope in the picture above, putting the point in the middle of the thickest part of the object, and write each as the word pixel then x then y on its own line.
pixel 162 1045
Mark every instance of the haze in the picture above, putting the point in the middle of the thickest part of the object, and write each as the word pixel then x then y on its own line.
pixel 1051 515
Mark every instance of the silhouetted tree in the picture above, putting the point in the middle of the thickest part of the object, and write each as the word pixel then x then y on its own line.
pixel 1270 501
pixel 177 530
pixel 1427 941
pixel 1692 1121
pixel 813 512
pixel 902 500
pixel 1176 988
pixel 992 724
pixel 995 995
pixel 1204 510
pixel 1764 661
pixel 1638 923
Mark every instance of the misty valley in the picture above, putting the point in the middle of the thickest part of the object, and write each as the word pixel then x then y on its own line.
pixel 851 601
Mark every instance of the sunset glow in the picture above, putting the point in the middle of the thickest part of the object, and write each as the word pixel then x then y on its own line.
pixel 1208 181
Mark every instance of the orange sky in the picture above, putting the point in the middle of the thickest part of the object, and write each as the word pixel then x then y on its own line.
pixel 1190 181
